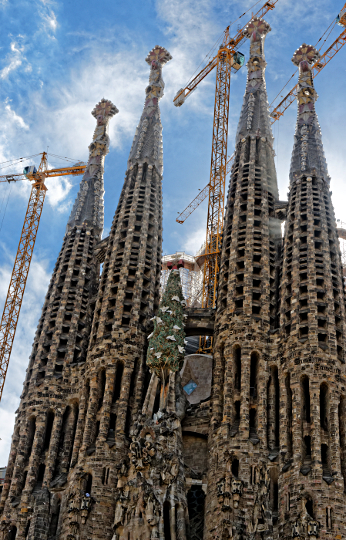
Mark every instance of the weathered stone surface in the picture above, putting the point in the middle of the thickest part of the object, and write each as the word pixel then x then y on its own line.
pixel 248 444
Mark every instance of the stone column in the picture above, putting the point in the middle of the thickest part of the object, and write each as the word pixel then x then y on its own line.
pixel 53 449
pixel 123 401
pixel 35 454
pixel 107 404
pixel 91 412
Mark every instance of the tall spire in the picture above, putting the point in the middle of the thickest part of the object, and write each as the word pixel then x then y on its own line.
pixel 254 117
pixel 147 142
pixel 308 155
pixel 88 207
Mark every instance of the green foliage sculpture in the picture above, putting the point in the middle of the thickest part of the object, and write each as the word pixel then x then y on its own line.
pixel 166 343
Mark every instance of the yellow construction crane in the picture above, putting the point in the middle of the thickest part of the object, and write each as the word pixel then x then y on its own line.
pixel 202 195
pixel 316 68
pixel 279 110
pixel 227 59
pixel 26 245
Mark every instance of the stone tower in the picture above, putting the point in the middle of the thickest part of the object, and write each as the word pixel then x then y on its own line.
pixel 312 341
pixel 238 497
pixel 115 377
pixel 121 437
pixel 46 421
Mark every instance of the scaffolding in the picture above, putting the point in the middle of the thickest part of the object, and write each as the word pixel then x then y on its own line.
pixel 341 229
pixel 191 275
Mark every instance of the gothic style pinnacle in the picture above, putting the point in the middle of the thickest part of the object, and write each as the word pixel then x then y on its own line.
pixel 88 207
pixel 147 143
pixel 308 155
pixel 254 117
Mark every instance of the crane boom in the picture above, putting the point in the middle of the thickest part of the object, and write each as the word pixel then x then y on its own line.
pixel 316 69
pixel 202 195
pixel 65 171
pixel 19 277
pixel 15 293
pixel 231 43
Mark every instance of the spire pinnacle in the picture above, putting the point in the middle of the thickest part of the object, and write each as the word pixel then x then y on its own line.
pixel 254 121
pixel 254 116
pixel 308 155
pixel 147 142
pixel 88 207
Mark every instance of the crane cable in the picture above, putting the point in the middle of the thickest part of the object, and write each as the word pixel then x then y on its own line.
pixel 283 88
pixel 8 197
pixel 209 53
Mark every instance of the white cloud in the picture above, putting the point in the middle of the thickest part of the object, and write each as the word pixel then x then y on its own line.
pixel 15 117
pixel 15 59
pixel 194 240
pixel 50 20
pixel 58 190
pixel 191 28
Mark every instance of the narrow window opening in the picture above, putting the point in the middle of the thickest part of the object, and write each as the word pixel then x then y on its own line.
pixel 31 435
pixel 40 476
pixel 117 382
pixel 329 517
pixel 289 414
pixel 237 411
pixel 237 368
pixel 133 378
pixel 309 505
pixel 305 399
pixel 195 504
pixel 12 532
pixel 324 406
pixel 274 495
pixel 253 375
pixel 157 398
pixel 307 444
pixel 166 520
pixel 235 467
pixel 102 386
pixel 112 423
pixel 277 408
pixel 146 382
pixel 88 484
pixel 342 435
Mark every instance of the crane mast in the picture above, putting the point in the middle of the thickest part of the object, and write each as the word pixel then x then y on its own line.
pixel 19 277
pixel 15 293
pixel 217 182
pixel 226 59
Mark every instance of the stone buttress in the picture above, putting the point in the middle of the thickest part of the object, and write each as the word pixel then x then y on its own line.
pixel 49 414
pixel 312 348
pixel 116 375
pixel 244 425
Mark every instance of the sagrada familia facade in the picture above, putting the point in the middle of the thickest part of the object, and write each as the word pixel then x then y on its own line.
pixel 118 436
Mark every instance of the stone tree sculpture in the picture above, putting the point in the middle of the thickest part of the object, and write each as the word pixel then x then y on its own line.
pixel 166 343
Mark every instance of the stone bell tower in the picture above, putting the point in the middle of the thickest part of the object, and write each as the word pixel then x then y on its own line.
pixel 47 429
pixel 243 428
pixel 116 377
pixel 312 348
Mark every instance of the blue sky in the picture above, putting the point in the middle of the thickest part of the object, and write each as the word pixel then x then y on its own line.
pixel 58 58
